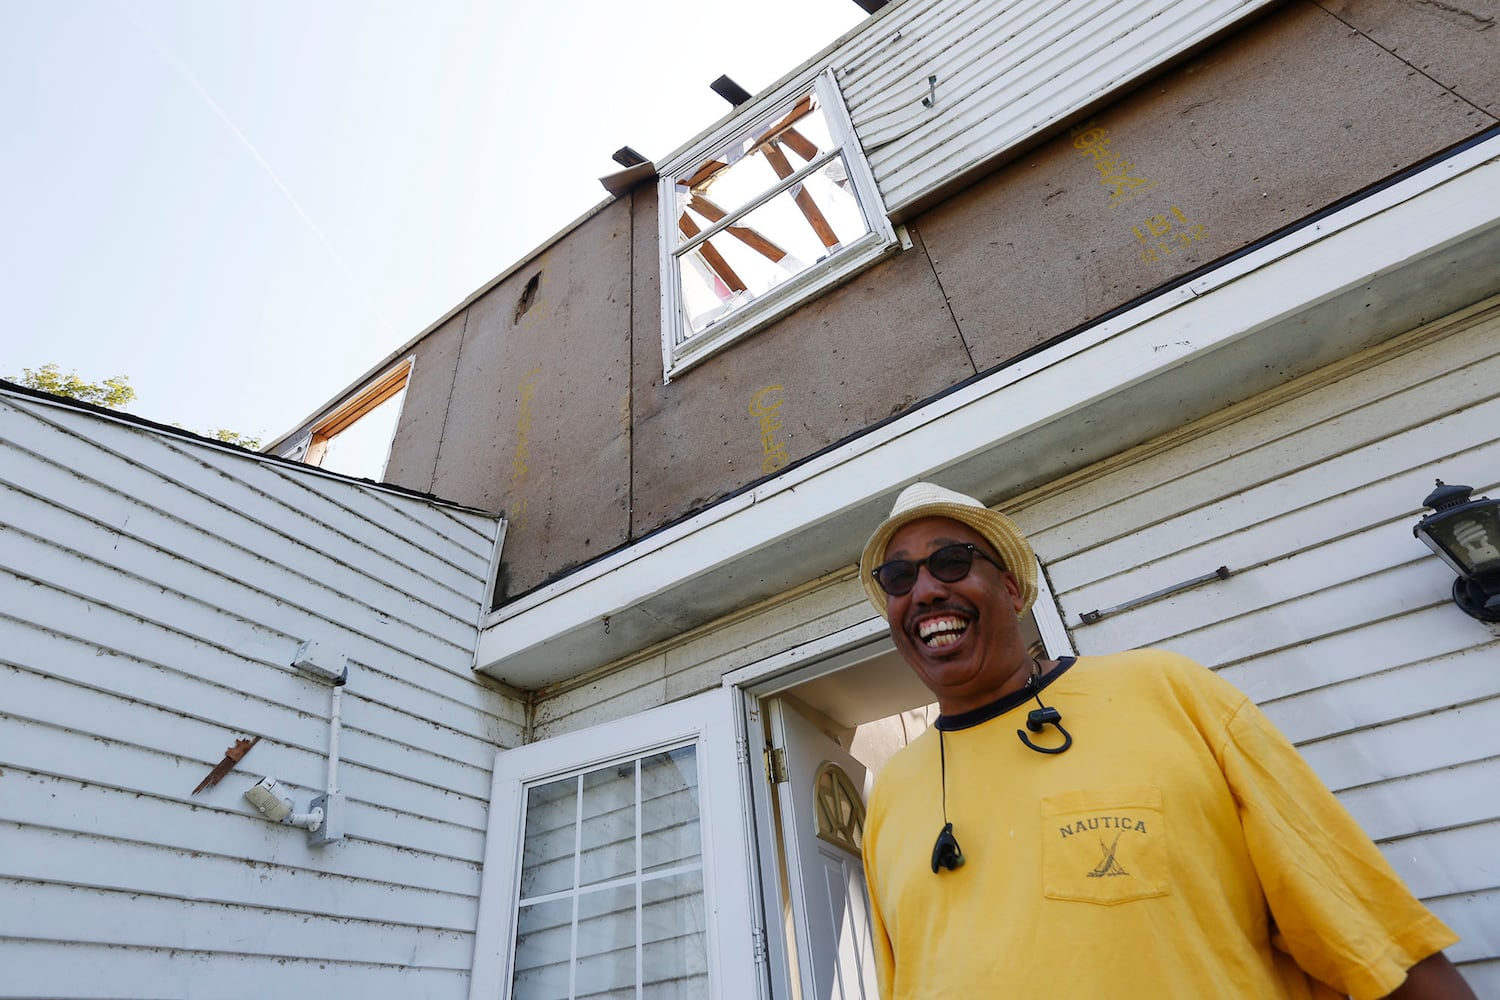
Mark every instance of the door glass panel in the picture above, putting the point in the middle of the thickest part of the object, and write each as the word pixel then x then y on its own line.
pixel 551 828
pixel 544 935
pixel 633 918
pixel 608 849
pixel 606 944
pixel 672 925
pixel 669 810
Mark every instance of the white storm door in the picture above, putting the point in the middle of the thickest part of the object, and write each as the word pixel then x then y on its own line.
pixel 617 863
pixel 822 817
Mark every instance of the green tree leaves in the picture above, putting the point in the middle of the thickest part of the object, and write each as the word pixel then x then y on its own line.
pixel 113 393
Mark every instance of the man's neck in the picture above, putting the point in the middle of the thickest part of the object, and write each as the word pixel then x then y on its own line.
pixel 1014 681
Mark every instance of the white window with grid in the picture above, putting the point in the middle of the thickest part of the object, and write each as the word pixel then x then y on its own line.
pixel 615 864
pixel 760 218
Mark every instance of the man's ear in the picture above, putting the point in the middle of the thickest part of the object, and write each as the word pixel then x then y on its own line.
pixel 1014 589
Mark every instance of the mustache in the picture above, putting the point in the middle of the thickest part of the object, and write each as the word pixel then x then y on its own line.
pixel 960 608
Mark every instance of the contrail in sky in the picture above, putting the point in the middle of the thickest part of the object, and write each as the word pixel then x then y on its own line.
pixel 157 43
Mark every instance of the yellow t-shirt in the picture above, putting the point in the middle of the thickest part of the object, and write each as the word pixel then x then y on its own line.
pixel 1158 857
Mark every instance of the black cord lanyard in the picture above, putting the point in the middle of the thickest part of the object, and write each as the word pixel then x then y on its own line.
pixel 945 851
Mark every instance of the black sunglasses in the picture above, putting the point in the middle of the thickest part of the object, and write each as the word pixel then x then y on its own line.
pixel 949 564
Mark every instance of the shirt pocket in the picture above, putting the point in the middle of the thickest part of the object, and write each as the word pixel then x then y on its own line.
pixel 1106 846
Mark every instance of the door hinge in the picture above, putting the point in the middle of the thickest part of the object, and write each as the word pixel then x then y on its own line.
pixel 741 750
pixel 758 943
pixel 776 765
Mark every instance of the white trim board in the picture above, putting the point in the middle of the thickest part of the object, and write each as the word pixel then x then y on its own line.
pixel 1406 254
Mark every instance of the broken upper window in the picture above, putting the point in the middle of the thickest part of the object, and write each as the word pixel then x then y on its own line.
pixel 355 437
pixel 756 221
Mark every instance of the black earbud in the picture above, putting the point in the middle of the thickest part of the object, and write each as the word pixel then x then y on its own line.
pixel 946 853
pixel 1039 718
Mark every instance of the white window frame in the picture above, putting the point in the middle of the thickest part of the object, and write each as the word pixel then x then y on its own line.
pixel 707 721
pixel 681 350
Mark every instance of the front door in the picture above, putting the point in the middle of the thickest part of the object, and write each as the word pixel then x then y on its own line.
pixel 821 802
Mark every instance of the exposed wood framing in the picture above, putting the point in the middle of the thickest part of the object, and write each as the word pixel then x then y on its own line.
pixel 358 406
pixel 802 196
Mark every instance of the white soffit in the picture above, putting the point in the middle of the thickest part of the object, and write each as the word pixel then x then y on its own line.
pixel 1005 72
pixel 1405 255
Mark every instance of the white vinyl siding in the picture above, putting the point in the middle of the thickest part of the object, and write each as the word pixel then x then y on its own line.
pixel 1336 620
pixel 153 591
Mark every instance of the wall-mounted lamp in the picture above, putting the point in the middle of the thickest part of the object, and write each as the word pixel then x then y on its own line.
pixel 1465 534
pixel 265 795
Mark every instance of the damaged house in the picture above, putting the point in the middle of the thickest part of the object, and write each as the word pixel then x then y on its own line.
pixel 582 698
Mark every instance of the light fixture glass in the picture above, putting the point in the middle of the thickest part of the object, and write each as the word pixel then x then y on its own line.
pixel 1465 534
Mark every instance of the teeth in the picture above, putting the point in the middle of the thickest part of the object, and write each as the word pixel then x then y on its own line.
pixel 939 632
pixel 950 623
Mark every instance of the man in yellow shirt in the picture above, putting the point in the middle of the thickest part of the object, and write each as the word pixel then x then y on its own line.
pixel 1180 848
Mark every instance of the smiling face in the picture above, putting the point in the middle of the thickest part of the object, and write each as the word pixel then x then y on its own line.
pixel 963 639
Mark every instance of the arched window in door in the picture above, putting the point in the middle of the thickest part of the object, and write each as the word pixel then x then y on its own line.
pixel 841 809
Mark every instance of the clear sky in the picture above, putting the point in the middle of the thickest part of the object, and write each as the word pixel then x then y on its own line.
pixel 243 205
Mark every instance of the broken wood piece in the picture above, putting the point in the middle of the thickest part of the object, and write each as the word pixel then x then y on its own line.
pixel 232 756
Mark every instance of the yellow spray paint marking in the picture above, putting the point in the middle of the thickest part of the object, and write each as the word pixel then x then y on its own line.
pixel 1159 235
pixel 519 470
pixel 1115 172
pixel 766 405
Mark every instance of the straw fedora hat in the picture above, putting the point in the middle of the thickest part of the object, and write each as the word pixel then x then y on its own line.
pixel 921 500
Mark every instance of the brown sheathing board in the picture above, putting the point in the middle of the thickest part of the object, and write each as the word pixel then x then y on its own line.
pixel 850 358
pixel 538 428
pixel 646 397
pixel 1455 42
pixel 1252 135
pixel 417 443
pixel 480 418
